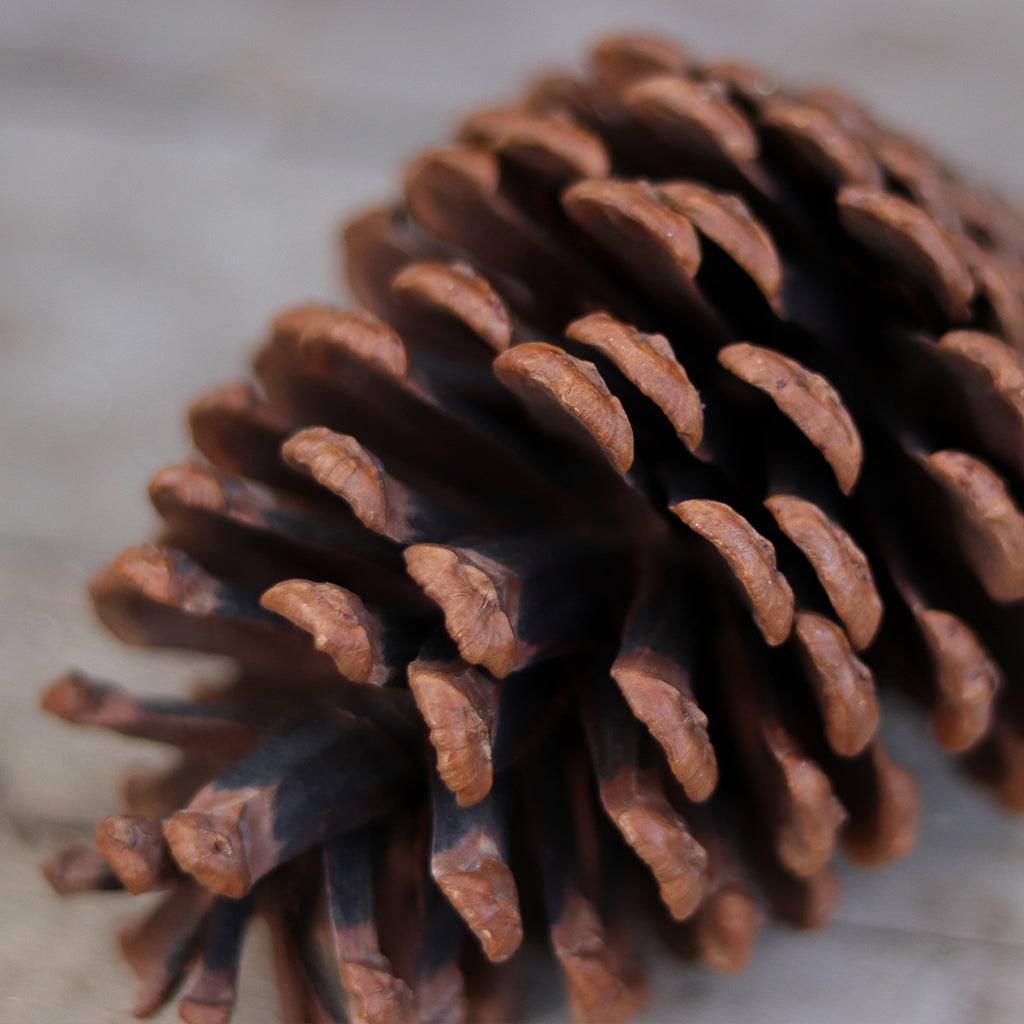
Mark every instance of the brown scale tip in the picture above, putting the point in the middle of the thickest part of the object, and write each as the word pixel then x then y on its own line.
pixel 807 399
pixel 228 422
pixel 322 332
pixel 751 558
pixel 726 927
pixel 908 239
pixel 439 177
pixel 658 697
pixel 619 60
pixel 893 819
pixel 808 902
pixel 968 680
pixel 135 848
pixel 239 399
pixel 210 845
pixel 164 576
pixel 339 463
pixel 661 839
pixel 455 289
pixel 998 282
pixel 481 888
pixel 630 221
pixel 460 707
pixel 993 377
pixel 195 1011
pixel 842 683
pixel 727 221
pixel 850 115
pixel 695 117
pixel 474 604
pixel 809 814
pixel 1007 780
pixel 337 621
pixel 568 394
pixel 991 526
pixel 378 996
pixel 454 193
pixel 195 486
pixel 601 989
pixel 73 697
pixel 836 154
pixel 751 84
pixel 648 362
pixel 556 150
pixel 841 567
pixel 78 869
pixel 916 171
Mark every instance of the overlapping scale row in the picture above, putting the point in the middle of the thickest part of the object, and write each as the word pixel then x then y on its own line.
pixel 681 417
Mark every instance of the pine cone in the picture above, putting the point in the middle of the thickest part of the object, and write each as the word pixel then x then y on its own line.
pixel 554 577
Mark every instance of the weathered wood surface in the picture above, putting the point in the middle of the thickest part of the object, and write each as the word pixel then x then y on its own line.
pixel 170 177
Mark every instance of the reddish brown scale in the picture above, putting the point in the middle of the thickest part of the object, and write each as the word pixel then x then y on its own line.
pixel 455 290
pixel 907 240
pixel 568 396
pixel 726 220
pixel 842 683
pixel 808 400
pixel 649 363
pixel 840 565
pixel 135 848
pixel 816 138
pixel 722 932
pixel 459 705
pixel 638 804
pixel 556 150
pixel 78 869
pixel 751 559
pixel 469 863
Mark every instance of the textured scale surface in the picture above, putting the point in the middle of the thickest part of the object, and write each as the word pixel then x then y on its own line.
pixel 682 415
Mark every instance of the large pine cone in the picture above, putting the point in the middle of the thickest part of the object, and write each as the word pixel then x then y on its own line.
pixel 555 577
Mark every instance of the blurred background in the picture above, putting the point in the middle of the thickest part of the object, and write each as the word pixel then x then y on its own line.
pixel 172 174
